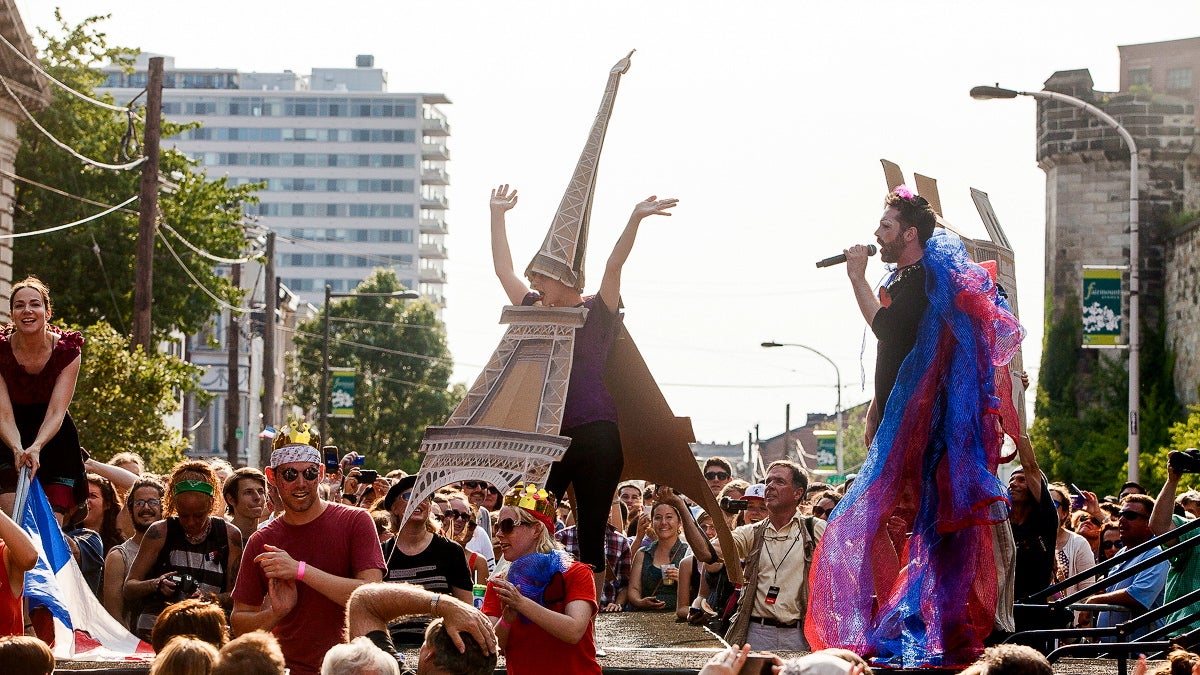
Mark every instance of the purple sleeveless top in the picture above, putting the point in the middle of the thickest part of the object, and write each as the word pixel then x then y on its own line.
pixel 588 399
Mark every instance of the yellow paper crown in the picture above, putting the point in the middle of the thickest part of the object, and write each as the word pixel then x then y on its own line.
pixel 297 433
pixel 532 498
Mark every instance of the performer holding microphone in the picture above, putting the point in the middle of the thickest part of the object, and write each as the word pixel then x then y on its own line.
pixel 905 571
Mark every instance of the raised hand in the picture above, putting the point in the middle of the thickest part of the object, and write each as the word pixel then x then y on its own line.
pixel 653 206
pixel 502 199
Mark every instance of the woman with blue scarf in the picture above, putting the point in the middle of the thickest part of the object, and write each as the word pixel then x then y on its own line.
pixel 543 606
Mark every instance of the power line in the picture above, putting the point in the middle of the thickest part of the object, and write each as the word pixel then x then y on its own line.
pixel 386 378
pixel 385 350
pixel 64 146
pixel 221 303
pixel 206 254
pixel 48 76
pixel 389 324
pixel 57 191
pixel 73 224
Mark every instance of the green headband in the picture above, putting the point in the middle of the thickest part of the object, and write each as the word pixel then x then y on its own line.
pixel 194 486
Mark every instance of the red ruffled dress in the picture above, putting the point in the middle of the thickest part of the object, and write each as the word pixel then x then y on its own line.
pixel 61 472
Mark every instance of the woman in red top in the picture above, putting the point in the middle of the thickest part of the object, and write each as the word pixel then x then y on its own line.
pixel 39 364
pixel 543 607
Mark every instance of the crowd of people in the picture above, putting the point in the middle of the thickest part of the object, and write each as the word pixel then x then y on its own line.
pixel 321 586
pixel 321 565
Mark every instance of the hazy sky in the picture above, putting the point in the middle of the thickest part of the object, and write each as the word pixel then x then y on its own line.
pixel 766 119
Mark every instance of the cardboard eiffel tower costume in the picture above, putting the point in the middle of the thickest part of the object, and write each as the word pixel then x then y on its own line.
pixel 506 429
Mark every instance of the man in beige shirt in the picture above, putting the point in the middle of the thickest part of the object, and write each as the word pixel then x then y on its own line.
pixel 778 554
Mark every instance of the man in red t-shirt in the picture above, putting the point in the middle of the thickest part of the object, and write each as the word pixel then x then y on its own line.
pixel 298 570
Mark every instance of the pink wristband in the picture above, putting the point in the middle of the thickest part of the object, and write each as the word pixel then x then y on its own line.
pixel 505 623
pixel 300 571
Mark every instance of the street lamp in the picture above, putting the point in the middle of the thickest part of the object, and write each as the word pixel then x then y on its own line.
pixel 329 294
pixel 985 93
pixel 838 409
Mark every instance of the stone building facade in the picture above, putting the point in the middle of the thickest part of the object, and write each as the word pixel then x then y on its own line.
pixel 1087 205
pixel 31 86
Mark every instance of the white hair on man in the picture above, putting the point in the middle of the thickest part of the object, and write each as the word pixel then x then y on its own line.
pixel 359 657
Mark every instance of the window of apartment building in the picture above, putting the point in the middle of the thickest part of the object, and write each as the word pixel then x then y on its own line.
pixel 1179 79
pixel 1139 77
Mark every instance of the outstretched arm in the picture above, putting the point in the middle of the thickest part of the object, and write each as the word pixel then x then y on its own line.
pixel 1033 472
pixel 372 606
pixel 1160 516
pixel 60 399
pixel 502 201
pixel 701 547
pixel 20 554
pixel 120 478
pixel 610 285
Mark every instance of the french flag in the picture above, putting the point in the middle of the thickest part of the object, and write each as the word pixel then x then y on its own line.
pixel 83 629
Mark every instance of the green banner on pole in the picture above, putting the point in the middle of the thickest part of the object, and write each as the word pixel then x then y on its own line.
pixel 1101 307
pixel 826 450
pixel 341 392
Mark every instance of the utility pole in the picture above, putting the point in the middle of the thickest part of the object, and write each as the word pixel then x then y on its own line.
pixel 270 311
pixel 143 289
pixel 233 399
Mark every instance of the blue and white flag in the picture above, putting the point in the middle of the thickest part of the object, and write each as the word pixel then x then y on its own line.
pixel 83 629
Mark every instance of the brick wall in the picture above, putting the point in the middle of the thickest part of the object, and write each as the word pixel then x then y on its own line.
pixel 1183 309
pixel 1087 182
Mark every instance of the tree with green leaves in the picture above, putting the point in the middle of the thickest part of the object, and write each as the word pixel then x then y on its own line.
pixel 398 351
pixel 123 398
pixel 90 267
pixel 1080 432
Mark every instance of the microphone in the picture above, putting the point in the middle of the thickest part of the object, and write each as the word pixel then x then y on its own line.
pixel 841 257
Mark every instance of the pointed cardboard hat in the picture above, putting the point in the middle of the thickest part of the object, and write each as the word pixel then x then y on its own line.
pixel 562 254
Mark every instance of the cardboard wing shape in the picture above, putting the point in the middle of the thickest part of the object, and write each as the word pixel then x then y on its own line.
pixel 655 442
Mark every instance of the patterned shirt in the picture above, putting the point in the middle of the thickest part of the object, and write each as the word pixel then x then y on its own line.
pixel 618 558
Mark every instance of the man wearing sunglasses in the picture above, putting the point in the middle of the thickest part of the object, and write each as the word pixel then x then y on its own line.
pixel 717 473
pixel 476 491
pixel 301 567
pixel 1144 590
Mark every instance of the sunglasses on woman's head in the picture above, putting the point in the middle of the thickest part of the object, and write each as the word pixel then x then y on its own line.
pixel 508 525
pixel 289 474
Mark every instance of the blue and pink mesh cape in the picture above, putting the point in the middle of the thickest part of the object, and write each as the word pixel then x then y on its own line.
pixel 928 599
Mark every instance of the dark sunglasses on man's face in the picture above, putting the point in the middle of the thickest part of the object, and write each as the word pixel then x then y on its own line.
pixel 474 484
pixel 1133 515
pixel 716 475
pixel 289 474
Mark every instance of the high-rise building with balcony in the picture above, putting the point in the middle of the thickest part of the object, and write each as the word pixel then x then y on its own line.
pixel 355 175
pixel 354 179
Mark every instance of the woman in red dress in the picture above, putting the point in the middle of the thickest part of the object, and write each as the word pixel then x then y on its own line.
pixel 39 364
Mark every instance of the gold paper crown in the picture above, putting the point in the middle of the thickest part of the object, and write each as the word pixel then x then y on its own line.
pixel 297 433
pixel 532 498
